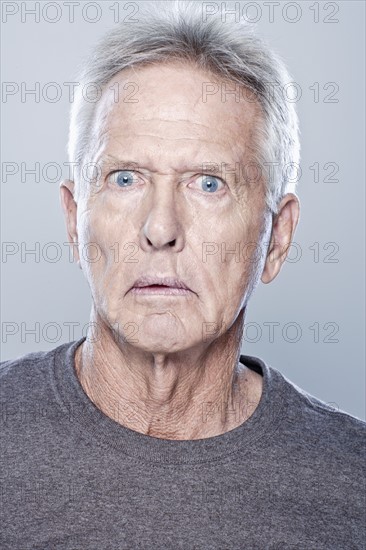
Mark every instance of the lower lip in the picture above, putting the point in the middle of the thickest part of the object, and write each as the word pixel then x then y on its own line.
pixel 160 290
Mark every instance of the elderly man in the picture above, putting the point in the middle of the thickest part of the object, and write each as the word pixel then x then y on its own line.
pixel 154 431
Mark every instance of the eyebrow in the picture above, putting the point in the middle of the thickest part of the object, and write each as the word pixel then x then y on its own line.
pixel 208 167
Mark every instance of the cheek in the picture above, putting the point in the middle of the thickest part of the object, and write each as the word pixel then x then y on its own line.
pixel 105 228
pixel 95 240
pixel 232 256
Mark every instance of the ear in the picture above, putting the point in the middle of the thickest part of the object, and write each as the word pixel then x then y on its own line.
pixel 283 229
pixel 69 206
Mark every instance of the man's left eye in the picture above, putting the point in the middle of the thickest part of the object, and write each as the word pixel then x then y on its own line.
pixel 123 178
pixel 209 183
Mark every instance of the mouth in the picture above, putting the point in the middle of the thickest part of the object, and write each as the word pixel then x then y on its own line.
pixel 166 286
pixel 160 290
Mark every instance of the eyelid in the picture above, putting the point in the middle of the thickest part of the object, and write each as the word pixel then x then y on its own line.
pixel 111 174
pixel 211 176
pixel 136 175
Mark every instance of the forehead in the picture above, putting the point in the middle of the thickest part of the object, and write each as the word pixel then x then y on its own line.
pixel 175 105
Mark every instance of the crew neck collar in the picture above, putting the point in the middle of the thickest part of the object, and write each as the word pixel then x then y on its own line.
pixel 105 431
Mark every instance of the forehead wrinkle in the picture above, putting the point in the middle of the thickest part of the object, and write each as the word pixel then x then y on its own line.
pixel 158 119
pixel 121 140
pixel 187 138
pixel 237 152
pixel 228 156
pixel 212 156
pixel 246 117
pixel 239 125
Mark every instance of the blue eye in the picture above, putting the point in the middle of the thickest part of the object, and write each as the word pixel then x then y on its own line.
pixel 123 178
pixel 211 183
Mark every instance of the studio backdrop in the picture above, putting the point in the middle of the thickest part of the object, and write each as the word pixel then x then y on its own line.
pixel 309 323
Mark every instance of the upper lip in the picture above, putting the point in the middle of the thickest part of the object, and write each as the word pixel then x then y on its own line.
pixel 148 280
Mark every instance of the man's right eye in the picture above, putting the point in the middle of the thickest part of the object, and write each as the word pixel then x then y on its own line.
pixel 123 178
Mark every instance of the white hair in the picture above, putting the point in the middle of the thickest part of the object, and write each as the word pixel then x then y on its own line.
pixel 232 52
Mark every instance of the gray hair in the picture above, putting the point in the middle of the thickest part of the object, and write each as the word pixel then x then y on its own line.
pixel 180 31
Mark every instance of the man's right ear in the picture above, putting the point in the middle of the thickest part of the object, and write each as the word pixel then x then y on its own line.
pixel 69 206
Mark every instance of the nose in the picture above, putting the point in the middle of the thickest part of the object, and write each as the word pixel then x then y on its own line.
pixel 162 227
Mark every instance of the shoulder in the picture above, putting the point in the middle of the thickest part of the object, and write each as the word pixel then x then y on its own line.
pixel 23 368
pixel 324 424
pixel 308 424
pixel 25 375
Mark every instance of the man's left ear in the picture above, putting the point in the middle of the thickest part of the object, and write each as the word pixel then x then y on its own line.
pixel 283 229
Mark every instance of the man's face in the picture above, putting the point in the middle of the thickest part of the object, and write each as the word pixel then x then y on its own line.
pixel 162 215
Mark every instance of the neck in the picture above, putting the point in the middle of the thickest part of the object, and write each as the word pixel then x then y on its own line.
pixel 193 394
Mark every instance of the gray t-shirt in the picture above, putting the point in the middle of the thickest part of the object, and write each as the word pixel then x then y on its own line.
pixel 291 477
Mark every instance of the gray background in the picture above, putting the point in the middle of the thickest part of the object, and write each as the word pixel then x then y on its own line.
pixel 306 291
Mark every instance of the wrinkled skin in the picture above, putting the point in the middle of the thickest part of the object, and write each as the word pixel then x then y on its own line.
pixel 157 362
